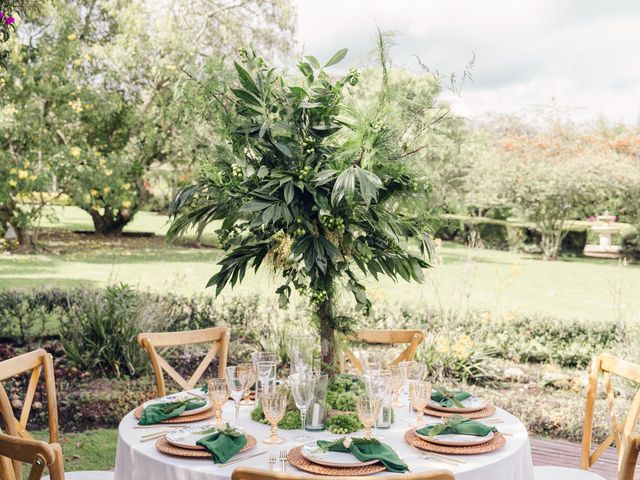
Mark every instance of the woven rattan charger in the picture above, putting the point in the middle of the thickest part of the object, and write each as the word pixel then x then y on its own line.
pixel 297 460
pixel 164 446
pixel 207 414
pixel 492 445
pixel 483 413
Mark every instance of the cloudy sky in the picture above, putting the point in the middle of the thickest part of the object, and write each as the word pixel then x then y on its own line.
pixel 583 53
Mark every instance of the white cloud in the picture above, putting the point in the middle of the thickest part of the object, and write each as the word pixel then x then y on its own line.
pixel 582 52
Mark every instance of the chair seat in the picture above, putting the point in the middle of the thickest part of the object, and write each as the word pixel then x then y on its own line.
pixel 86 476
pixel 563 473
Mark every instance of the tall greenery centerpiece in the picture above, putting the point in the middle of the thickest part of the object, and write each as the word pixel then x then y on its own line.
pixel 306 184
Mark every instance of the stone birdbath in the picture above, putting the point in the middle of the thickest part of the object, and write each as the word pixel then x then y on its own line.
pixel 605 226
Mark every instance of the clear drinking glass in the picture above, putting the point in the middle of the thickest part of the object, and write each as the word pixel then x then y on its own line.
pixel 397 381
pixel 251 369
pixel 367 409
pixel 237 380
pixel 419 394
pixel 301 353
pixel 218 394
pixel 318 410
pixel 302 387
pixel 274 406
pixel 266 375
pixel 378 386
pixel 415 373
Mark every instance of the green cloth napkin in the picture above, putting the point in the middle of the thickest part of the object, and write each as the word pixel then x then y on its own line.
pixel 368 449
pixel 459 425
pixel 449 399
pixel 223 445
pixel 159 412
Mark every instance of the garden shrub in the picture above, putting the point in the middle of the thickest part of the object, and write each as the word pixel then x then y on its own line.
pixel 631 245
pixel 99 333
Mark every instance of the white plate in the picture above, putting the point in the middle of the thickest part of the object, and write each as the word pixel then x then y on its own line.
pixel 188 436
pixel 312 452
pixel 471 404
pixel 456 440
pixel 178 397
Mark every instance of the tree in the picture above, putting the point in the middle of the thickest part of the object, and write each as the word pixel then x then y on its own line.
pixel 8 11
pixel 306 185
pixel 551 176
pixel 119 64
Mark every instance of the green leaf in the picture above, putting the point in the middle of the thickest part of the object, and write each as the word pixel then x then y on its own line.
pixel 369 184
pixel 288 193
pixel 245 96
pixel 313 61
pixel 284 149
pixel 263 171
pixel 337 57
pixel 306 70
pixel 344 186
pixel 246 81
pixel 324 176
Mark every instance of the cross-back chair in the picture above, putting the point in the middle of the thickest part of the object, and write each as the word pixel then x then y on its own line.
pixel 38 362
pixel 628 467
pixel 412 338
pixel 217 336
pixel 20 445
pixel 245 473
pixel 39 455
pixel 621 433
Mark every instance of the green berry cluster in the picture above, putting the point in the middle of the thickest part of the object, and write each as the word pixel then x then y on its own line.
pixel 306 173
pixel 316 296
pixel 344 424
pixel 413 185
pixel 353 77
pixel 236 171
pixel 331 222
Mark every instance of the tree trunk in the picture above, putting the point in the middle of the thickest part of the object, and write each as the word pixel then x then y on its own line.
pixel 327 337
pixel 108 225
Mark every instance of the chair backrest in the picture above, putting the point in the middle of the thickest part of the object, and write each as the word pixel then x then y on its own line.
pixel 245 473
pixel 15 451
pixel 217 336
pixel 621 431
pixel 413 338
pixel 628 466
pixel 37 362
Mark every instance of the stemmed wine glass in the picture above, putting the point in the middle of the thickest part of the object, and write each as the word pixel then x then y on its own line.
pixel 397 381
pixel 419 394
pixel 300 353
pixel 237 380
pixel 218 394
pixel 274 406
pixel 367 409
pixel 302 387
pixel 266 375
pixel 251 371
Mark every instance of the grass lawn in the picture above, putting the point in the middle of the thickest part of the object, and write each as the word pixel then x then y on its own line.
pixel 484 279
pixel 90 450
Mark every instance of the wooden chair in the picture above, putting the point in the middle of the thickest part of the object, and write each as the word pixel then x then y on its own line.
pixel 628 467
pixel 217 336
pixel 18 443
pixel 245 473
pixel 36 362
pixel 38 454
pixel 413 338
pixel 621 432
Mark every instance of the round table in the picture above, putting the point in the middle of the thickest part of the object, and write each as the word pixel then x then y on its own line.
pixel 136 460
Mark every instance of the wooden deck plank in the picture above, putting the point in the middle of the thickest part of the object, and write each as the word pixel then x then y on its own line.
pixel 567 454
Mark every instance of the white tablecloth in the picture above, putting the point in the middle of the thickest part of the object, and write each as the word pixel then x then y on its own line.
pixel 136 461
